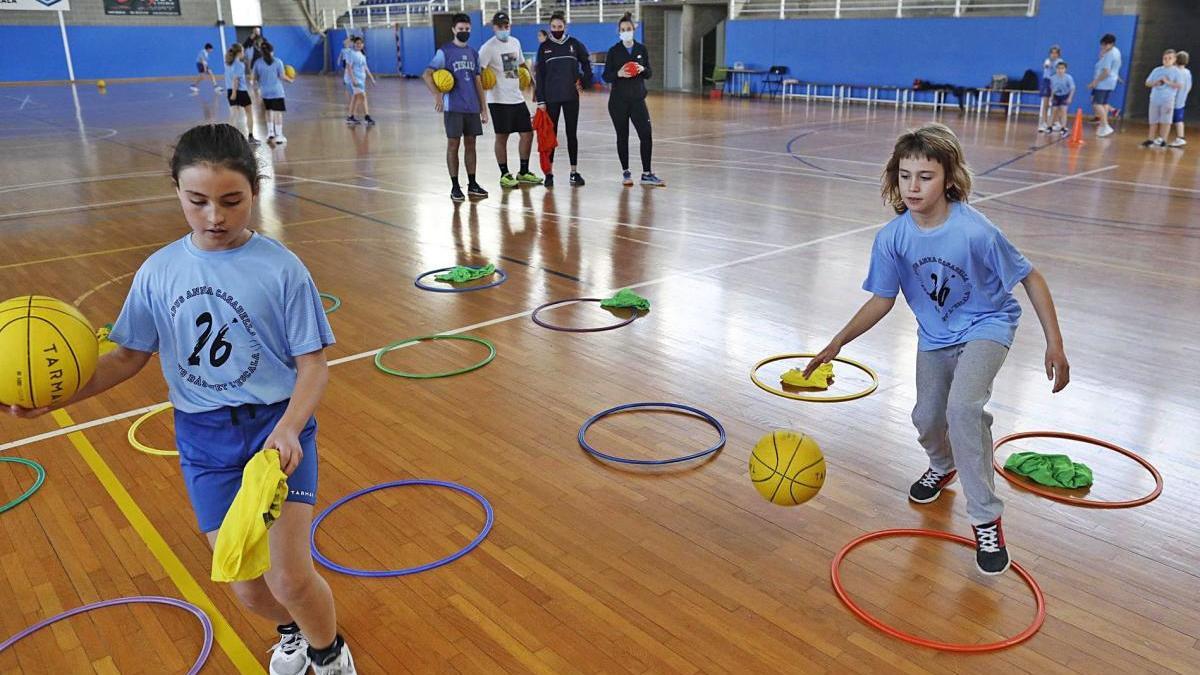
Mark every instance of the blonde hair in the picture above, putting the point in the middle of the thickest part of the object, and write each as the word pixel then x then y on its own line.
pixel 1181 58
pixel 234 52
pixel 935 142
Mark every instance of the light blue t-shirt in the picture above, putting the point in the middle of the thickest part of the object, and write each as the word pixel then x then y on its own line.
pixel 957 278
pixel 1062 85
pixel 1181 94
pixel 269 77
pixel 227 325
pixel 236 69
pixel 202 57
pixel 344 56
pixel 358 67
pixel 1048 67
pixel 1164 93
pixel 1112 61
pixel 463 64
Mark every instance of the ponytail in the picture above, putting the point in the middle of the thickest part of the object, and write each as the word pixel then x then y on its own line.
pixel 268 52
pixel 232 55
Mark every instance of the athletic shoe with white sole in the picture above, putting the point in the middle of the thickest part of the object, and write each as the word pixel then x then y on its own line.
pixel 651 180
pixel 290 656
pixel 626 178
pixel 339 663
pixel 991 556
pixel 929 486
pixel 1178 143
pixel 1105 131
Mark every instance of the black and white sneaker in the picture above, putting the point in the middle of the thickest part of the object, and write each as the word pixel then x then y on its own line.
pixel 476 190
pixel 456 194
pixel 290 656
pixel 929 486
pixel 577 179
pixel 991 556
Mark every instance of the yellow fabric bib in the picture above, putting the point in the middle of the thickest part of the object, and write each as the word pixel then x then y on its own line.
pixel 821 378
pixel 242 551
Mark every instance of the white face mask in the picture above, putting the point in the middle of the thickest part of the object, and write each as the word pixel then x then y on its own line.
pixel 626 36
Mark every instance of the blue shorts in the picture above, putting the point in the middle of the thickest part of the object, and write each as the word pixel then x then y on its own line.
pixel 1100 96
pixel 201 68
pixel 353 87
pixel 215 446
pixel 1044 88
pixel 1060 101
pixel 1178 116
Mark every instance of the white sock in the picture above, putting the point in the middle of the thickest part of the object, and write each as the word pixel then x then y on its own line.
pixel 279 127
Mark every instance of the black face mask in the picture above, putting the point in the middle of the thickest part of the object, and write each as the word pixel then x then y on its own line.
pixel 463 35
pixel 557 34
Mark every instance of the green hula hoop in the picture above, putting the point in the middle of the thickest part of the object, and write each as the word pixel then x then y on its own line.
pixel 337 302
pixel 429 376
pixel 41 478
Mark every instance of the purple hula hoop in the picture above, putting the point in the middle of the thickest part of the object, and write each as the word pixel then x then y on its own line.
pixel 132 600
pixel 551 326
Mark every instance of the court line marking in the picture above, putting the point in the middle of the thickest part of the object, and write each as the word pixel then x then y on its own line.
pixel 227 639
pixel 704 270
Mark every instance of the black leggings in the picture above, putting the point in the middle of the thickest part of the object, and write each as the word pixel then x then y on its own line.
pixel 624 111
pixel 571 108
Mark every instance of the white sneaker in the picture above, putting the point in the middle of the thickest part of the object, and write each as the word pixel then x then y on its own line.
pixel 1160 143
pixel 1106 130
pixel 344 665
pixel 1057 127
pixel 280 139
pixel 290 656
pixel 218 88
pixel 1042 128
pixel 194 88
pixel 1178 143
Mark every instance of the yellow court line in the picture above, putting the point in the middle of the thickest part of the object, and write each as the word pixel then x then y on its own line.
pixel 228 640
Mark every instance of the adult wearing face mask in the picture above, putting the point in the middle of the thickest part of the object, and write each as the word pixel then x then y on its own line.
pixel 503 55
pixel 627 67
pixel 563 70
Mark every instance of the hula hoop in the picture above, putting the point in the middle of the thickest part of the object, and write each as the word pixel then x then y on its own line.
pixel 487 527
pixel 1024 635
pixel 815 399
pixel 429 376
pixel 1079 501
pixel 651 462
pixel 37 483
pixel 337 302
pixel 133 600
pixel 437 289
pixel 142 447
pixel 564 329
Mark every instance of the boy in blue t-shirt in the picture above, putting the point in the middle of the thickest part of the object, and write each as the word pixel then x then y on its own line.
pixel 463 108
pixel 1062 92
pixel 1164 83
pixel 202 69
pixel 957 271
pixel 1181 62
pixel 355 76
pixel 1104 81
pixel 1049 66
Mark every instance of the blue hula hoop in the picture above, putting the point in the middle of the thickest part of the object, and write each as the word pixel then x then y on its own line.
pixel 651 462
pixel 487 527
pixel 439 289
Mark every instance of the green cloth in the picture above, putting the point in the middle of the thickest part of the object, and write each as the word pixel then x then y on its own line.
pixel 460 274
pixel 626 298
pixel 1052 470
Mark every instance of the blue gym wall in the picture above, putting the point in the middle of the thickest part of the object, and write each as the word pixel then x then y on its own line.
pixel 35 52
pixel 964 51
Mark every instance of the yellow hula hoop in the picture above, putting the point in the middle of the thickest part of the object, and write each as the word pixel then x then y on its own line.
pixel 815 399
pixel 142 447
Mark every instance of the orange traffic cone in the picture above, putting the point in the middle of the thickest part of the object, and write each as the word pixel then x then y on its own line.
pixel 1077 129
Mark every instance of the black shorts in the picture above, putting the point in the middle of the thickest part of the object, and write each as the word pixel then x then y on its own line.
pixel 276 104
pixel 1061 100
pixel 462 124
pixel 201 68
pixel 510 118
pixel 240 99
pixel 1100 96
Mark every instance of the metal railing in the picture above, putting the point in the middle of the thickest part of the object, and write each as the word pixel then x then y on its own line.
pixel 421 11
pixel 839 9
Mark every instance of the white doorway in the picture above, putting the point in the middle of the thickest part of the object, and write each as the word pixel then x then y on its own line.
pixel 673 57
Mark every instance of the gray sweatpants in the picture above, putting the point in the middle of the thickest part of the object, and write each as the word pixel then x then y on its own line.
pixel 953 386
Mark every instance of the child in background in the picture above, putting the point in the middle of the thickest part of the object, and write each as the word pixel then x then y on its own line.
pixel 1062 92
pixel 269 73
pixel 202 69
pixel 464 108
pixel 355 76
pixel 1164 83
pixel 1181 62
pixel 1049 67
pixel 236 89
pixel 957 271
pixel 347 47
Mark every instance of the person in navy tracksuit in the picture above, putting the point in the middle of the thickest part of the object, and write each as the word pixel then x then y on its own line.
pixel 563 71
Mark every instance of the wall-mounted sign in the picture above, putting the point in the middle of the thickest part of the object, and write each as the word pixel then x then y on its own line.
pixel 139 7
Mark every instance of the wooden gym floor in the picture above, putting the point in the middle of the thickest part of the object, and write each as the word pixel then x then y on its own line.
pixel 757 247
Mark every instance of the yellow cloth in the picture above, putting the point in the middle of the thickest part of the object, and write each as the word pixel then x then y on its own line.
pixel 242 551
pixel 821 378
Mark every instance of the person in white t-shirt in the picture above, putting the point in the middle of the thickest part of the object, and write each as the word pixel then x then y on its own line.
pixel 506 103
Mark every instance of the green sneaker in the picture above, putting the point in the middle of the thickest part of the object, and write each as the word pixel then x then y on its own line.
pixel 529 177
pixel 507 181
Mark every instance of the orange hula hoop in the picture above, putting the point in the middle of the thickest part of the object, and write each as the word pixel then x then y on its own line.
pixel 1074 501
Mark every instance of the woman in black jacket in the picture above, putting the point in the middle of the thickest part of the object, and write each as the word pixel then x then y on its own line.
pixel 627 102
pixel 563 70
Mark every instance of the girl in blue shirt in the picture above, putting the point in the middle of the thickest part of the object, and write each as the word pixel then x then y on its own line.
pixel 270 75
pixel 241 335
pixel 957 271
pixel 238 91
